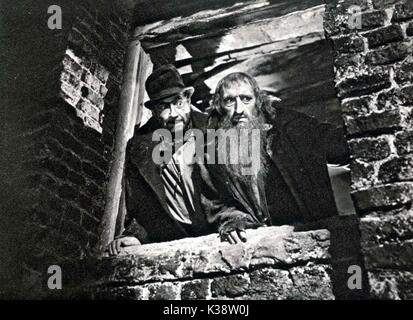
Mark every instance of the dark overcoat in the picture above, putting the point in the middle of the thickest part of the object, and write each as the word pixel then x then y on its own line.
pixel 296 189
pixel 146 204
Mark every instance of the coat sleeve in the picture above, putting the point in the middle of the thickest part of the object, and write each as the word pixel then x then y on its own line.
pixel 298 147
pixel 133 183
pixel 223 211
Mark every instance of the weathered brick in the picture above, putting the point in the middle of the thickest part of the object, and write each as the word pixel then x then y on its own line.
pixel 73 213
pixel 70 79
pixel 52 148
pixel 89 109
pixel 391 284
pixel 379 230
pixel 370 149
pixel 383 196
pixel 344 61
pixel 349 44
pixel 403 12
pixel 393 99
pixel 92 81
pixel 397 169
pixel 357 107
pixel 95 158
pixel 72 67
pixel 385 35
pixel 382 4
pixel 76 178
pixel 89 222
pixel 268 283
pixel 70 90
pixel 118 293
pixel 404 73
pixel 404 142
pixel 389 54
pixel 163 291
pixel 55 167
pixel 94 97
pixel 67 192
pixel 88 30
pixel 374 19
pixel 337 15
pixel 80 45
pixel 362 174
pixel 374 123
pixel 195 290
pixel 312 281
pixel 363 84
pixel 93 172
pixel 103 91
pixel 72 161
pixel 230 286
pixel 101 73
pixel 84 201
pixel 51 203
pixel 67 140
pixel 389 256
pixel 92 123
pixel 301 283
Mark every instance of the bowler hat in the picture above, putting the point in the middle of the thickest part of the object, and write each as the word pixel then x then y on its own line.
pixel 164 82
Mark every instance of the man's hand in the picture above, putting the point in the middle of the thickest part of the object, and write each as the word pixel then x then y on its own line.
pixel 115 245
pixel 234 237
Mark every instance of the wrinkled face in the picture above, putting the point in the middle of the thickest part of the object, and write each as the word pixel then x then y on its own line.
pixel 174 112
pixel 237 104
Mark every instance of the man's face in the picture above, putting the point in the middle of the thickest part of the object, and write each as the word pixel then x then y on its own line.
pixel 238 103
pixel 174 112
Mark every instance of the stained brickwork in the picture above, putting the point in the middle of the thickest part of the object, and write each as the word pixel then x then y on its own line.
pixel 373 66
pixel 275 263
pixel 62 103
pixel 59 116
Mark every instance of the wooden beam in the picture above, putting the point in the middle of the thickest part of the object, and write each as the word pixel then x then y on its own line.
pixel 219 22
pixel 262 32
pixel 148 12
pixel 114 188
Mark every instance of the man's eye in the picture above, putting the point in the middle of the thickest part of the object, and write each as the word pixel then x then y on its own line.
pixel 246 99
pixel 179 102
pixel 229 101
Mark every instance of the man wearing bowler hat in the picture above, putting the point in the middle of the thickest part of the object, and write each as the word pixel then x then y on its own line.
pixel 148 217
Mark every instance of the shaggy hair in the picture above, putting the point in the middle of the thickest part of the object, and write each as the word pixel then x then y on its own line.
pixel 263 103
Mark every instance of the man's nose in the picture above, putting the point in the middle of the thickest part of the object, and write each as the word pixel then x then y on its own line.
pixel 239 106
pixel 173 113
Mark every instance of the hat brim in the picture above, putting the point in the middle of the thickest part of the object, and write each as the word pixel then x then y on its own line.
pixel 151 103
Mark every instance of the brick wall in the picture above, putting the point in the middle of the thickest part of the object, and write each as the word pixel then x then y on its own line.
pixel 59 116
pixel 374 74
pixel 275 263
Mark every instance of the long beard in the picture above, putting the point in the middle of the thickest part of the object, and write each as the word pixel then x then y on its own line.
pixel 248 188
pixel 246 158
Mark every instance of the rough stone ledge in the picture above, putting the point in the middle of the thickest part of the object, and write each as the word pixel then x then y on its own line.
pixel 303 282
pixel 387 284
pixel 206 257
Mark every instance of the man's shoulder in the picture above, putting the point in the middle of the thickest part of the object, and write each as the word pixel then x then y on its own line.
pixel 141 141
pixel 199 118
pixel 287 119
pixel 148 128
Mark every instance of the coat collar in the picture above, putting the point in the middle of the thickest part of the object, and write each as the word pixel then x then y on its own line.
pixel 140 149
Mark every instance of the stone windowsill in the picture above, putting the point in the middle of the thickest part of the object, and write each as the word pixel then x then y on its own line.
pixel 275 263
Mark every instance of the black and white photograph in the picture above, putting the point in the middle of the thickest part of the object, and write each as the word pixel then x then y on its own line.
pixel 215 150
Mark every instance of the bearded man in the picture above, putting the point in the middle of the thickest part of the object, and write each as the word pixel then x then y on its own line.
pixel 291 184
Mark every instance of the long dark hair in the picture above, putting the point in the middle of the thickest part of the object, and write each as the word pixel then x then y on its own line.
pixel 264 104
